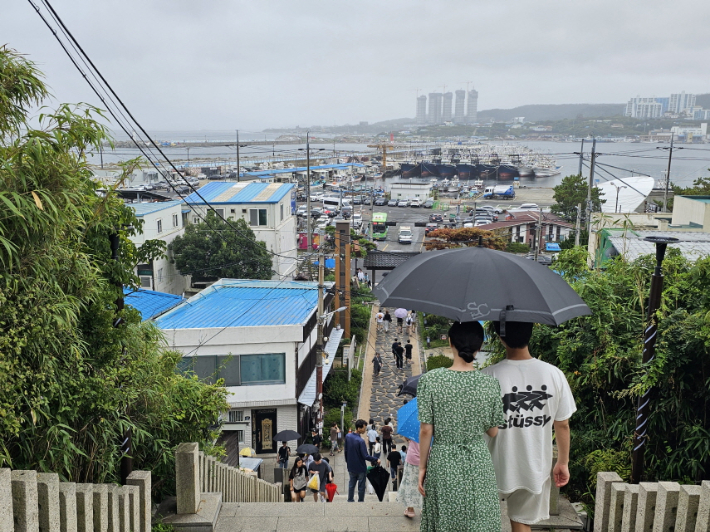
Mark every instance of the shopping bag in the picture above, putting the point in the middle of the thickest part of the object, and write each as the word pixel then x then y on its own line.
pixel 331 489
pixel 314 483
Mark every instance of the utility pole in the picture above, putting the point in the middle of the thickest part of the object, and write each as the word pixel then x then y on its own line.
pixel 581 158
pixel 309 236
pixel 342 273
pixel 591 183
pixel 538 234
pixel 320 354
pixel 578 225
pixel 668 176
pixel 238 163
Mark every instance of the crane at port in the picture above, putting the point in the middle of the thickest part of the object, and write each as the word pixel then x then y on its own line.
pixel 383 147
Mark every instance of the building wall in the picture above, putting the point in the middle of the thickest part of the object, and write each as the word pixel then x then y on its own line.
pixel 687 210
pixel 410 191
pixel 472 110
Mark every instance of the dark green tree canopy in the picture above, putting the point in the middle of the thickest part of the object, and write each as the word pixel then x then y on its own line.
pixel 215 249
pixel 571 192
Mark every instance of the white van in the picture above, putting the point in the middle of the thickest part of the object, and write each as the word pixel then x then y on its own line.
pixel 335 203
pixel 357 220
pixel 405 235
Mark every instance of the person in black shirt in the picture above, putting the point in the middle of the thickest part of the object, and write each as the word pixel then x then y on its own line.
pixel 408 351
pixel 399 356
pixel 316 438
pixel 394 346
pixel 387 320
pixel 394 458
pixel 284 453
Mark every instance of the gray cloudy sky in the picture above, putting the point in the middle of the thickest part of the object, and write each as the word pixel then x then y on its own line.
pixel 226 64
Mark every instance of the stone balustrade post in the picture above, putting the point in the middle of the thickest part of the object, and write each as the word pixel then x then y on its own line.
pixel 141 479
pixel 67 507
pixel 100 507
pixel 646 510
pixel 114 520
pixel 124 521
pixel 703 522
pixel 133 501
pixel 666 506
pixel 85 508
pixel 48 502
pixel 688 501
pixel 6 519
pixel 603 500
pixel 631 499
pixel 24 501
pixel 187 481
pixel 616 506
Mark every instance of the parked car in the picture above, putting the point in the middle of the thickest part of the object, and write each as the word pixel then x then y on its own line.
pixel 366 200
pixel 357 200
pixel 392 203
pixel 357 220
pixel 434 217
pixel 430 227
pixel 403 203
pixel 302 210
pixel 316 212
pixel 496 210
pixel 428 204
pixel 379 202
pixel 415 203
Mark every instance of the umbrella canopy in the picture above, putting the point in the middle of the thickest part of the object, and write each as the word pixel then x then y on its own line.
pixel 247 451
pixel 400 313
pixel 286 435
pixel 478 283
pixel 408 420
pixel 307 448
pixel 409 386
pixel 379 478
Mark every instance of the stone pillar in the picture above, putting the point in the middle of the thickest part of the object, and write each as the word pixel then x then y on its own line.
pixel 124 521
pixel 603 500
pixel 114 523
pixel 100 508
pixel 209 479
pixel 67 507
pixel 666 506
pixel 142 480
pixel 132 499
pixel 48 499
pixel 703 522
pixel 631 499
pixel 6 500
pixel 24 501
pixel 187 481
pixel 645 512
pixel 616 506
pixel 85 508
pixel 554 490
pixel 688 500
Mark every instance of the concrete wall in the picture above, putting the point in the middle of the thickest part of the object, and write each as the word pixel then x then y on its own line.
pixel 652 506
pixel 31 501
pixel 687 210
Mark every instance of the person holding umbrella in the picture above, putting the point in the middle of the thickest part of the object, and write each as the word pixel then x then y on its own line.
pixel 400 314
pixel 460 404
pixel 536 399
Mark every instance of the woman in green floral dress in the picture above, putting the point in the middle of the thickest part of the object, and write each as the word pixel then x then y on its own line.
pixel 457 405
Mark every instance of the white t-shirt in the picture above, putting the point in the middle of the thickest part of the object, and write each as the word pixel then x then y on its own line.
pixel 380 317
pixel 535 394
pixel 371 435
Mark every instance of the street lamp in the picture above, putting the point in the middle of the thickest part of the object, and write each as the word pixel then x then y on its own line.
pixel 618 187
pixel 649 353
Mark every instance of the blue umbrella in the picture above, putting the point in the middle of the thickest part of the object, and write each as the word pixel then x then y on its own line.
pixel 408 421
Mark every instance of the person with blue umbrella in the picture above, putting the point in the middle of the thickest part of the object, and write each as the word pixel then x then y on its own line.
pixel 408 426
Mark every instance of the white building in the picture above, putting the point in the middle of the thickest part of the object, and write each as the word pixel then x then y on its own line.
pixel 644 108
pixel 420 191
pixel 161 221
pixel 260 337
pixel 680 103
pixel 690 134
pixel 140 176
pixel 267 208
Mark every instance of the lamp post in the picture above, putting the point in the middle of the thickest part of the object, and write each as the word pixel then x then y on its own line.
pixel 649 353
pixel 617 187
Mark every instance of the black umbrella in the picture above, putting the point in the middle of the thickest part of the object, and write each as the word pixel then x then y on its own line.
pixel 409 386
pixel 379 478
pixel 478 283
pixel 307 448
pixel 286 435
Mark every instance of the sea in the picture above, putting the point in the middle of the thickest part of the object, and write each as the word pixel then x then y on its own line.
pixel 614 159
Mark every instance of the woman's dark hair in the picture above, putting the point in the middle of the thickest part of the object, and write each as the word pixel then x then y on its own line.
pixel 517 333
pixel 467 338
pixel 387 421
pixel 372 421
pixel 295 468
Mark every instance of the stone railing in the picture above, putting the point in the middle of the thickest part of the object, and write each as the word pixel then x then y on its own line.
pixel 32 502
pixel 652 506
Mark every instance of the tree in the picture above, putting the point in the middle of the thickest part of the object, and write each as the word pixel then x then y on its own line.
pixel 77 372
pixel 466 236
pixel 701 187
pixel 214 249
pixel 571 192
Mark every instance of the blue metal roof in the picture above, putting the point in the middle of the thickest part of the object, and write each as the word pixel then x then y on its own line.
pixel 146 208
pixel 245 303
pixel 149 303
pixel 230 193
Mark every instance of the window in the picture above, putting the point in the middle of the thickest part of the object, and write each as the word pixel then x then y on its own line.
pixel 263 369
pixel 176 220
pixel 195 220
pixel 282 212
pixel 160 275
pixel 160 226
pixel 145 282
pixel 257 217
pixel 236 415
pixel 228 369
pixel 220 212
pixel 240 436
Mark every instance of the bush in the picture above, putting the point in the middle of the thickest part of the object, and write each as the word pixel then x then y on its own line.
pixel 517 247
pixel 337 389
pixel 438 361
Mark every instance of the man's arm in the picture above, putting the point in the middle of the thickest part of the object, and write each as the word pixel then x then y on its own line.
pixel 562 437
pixel 363 451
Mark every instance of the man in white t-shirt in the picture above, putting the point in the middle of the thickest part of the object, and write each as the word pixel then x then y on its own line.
pixel 536 399
pixel 380 319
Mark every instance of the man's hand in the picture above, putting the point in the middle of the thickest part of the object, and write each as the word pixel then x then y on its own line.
pixel 422 476
pixel 561 474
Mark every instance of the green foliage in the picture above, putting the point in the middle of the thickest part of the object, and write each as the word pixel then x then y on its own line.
pixel 517 247
pixel 337 388
pixel 571 192
pixel 701 187
pixel 438 361
pixel 215 249
pixel 74 382
pixel 435 327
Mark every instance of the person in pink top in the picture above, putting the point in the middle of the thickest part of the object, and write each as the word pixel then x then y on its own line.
pixel 408 493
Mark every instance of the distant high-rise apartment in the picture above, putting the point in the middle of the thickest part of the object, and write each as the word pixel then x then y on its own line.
pixel 459 116
pixel 421 109
pixel 679 103
pixel 472 111
pixel 644 108
pixel 436 100
pixel 448 105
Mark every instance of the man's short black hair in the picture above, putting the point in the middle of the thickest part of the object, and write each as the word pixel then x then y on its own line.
pixel 517 333
pixel 360 423
pixel 316 457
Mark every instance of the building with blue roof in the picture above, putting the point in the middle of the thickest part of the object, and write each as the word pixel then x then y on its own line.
pixel 150 303
pixel 267 208
pixel 161 221
pixel 260 337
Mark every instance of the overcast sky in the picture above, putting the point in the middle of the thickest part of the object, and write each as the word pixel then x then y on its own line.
pixel 227 64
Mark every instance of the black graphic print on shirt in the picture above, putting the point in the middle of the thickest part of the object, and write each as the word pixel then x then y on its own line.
pixel 518 403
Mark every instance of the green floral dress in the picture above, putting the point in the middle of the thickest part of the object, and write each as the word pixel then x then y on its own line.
pixel 460 485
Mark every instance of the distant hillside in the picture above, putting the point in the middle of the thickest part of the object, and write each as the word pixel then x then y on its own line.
pixel 555 112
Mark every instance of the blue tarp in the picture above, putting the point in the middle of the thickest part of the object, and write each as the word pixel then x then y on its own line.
pixel 329 263
pixel 552 246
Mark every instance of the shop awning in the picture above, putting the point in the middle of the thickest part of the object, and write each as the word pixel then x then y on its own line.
pixel 308 395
